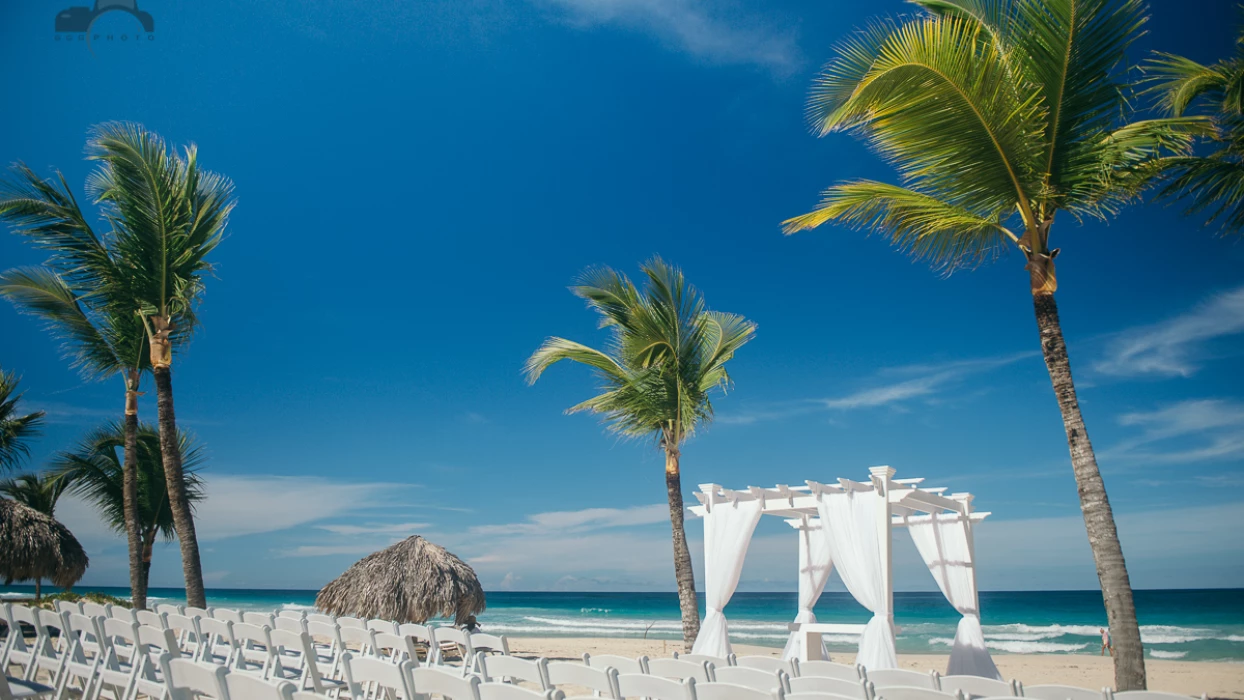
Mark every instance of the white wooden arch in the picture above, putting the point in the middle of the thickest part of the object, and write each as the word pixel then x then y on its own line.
pixel 945 541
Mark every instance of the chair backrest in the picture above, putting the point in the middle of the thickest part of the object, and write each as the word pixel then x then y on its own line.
pixel 351 622
pixel 363 672
pixel 489 642
pixel 624 664
pixel 121 612
pixel 182 623
pixel 356 638
pixel 750 677
pixel 289 624
pixel 186 680
pixel 732 691
pixel 321 617
pixel 152 619
pixel 304 658
pixel 170 609
pixel 769 663
pixel 94 609
pixel 68 607
pixel 430 680
pixel 383 626
pixel 394 647
pixel 642 685
pixel 451 634
pixel 258 618
pixel 295 614
pixel 158 639
pixel 820 684
pixel 227 615
pixel 501 668
pixel 49 621
pixel 977 687
pixel 248 686
pixel 84 626
pixel 901 677
pixel 421 633
pixel 505 691
pixel 829 669
pixel 603 681
pixel 1061 692
pixel 114 629
pixel 191 611
pixel 679 669
pixel 905 692
pixel 718 661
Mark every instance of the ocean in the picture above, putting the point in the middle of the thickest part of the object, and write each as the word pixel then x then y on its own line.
pixel 1194 625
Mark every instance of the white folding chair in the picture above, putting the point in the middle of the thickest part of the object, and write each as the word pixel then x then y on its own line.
pixel 289 624
pixel 83 657
pixel 394 648
pixel 191 611
pixel 94 609
pixel 431 680
pixel 170 609
pixel 153 643
pixel 901 677
pixel 151 619
pixel 679 670
pixel 453 641
pixel 731 691
pixel 1050 691
pixel 227 615
pixel 348 621
pixel 977 687
pixel 716 661
pixel 370 678
pixel 382 626
pixel 423 637
pixel 68 607
pixel 857 688
pixel 830 669
pixel 769 663
pixel 750 677
pixel 259 619
pixel 17 652
pixel 254 648
pixel 494 644
pixel 624 664
pixel 357 640
pixel 189 638
pixel 1146 695
pixel 293 614
pixel 643 685
pixel 217 644
pixel 295 660
pixel 511 669
pixel 47 658
pixel 321 618
pixel 122 658
pixel 120 612
pixel 902 692
pixel 505 691
pixel 603 682
pixel 326 639
pixel 245 686
pixel 185 679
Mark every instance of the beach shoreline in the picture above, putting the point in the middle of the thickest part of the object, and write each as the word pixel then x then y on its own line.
pixel 1217 679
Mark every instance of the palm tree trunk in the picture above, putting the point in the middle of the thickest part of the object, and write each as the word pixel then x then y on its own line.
pixel 1116 588
pixel 183 519
pixel 148 546
pixel 683 572
pixel 129 491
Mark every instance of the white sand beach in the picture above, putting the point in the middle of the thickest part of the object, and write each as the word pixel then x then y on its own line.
pixel 1216 679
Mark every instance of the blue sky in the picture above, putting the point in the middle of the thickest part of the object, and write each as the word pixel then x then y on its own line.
pixel 419 182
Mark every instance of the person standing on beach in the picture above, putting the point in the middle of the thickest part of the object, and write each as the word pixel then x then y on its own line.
pixel 1106 646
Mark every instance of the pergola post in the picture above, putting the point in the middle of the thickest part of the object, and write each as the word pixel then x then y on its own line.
pixel 881 481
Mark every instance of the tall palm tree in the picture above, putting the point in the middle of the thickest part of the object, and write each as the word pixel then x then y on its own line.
pixel 167 214
pixel 1212 183
pixel 38 491
pixel 99 338
pixel 15 430
pixel 667 353
pixel 94 471
pixel 997 116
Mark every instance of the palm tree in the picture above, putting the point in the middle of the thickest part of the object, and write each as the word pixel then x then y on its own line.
pixel 39 492
pixel 15 430
pixel 99 338
pixel 997 116
pixel 667 353
pixel 168 214
pixel 1213 183
pixel 94 472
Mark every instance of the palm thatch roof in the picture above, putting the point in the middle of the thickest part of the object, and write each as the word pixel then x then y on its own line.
pixel 412 581
pixel 35 546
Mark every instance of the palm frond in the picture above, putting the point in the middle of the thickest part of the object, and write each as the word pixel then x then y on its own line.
pixel 37 491
pixel 15 430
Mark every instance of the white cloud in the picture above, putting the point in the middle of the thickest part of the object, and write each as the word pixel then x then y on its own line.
pixel 1175 347
pixel 695 27
pixel 405 529
pixel 569 521
pixel 894 387
pixel 1188 431
pixel 324 550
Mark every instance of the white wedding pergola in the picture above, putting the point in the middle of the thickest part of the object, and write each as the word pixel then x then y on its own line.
pixel 848 526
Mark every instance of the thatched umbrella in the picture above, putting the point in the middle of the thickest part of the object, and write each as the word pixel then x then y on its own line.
pixel 409 582
pixel 36 546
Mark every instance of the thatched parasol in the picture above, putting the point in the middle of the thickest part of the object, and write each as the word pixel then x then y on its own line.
pixel 409 582
pixel 36 546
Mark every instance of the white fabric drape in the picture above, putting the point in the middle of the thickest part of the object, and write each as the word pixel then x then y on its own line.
pixel 815 563
pixel 943 544
pixel 728 529
pixel 852 520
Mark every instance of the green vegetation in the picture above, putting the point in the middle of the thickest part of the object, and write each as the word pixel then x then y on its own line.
pixel 16 429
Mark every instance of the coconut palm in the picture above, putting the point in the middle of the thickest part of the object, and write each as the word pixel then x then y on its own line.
pixel 667 353
pixel 998 115
pixel 167 214
pixel 38 491
pixel 1212 184
pixel 94 471
pixel 15 430
pixel 98 336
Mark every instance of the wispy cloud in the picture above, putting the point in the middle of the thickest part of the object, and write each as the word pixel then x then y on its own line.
pixel 894 387
pixel 1177 346
pixel 1189 431
pixel 696 27
pixel 573 521
pixel 404 529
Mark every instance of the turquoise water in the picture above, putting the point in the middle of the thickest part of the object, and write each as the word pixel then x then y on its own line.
pixel 1192 625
